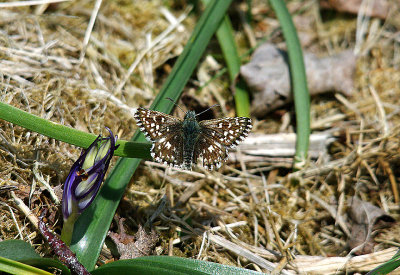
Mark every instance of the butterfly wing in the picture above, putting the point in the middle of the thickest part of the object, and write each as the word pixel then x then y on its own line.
pixel 164 131
pixel 155 124
pixel 211 151
pixel 169 149
pixel 217 135
pixel 228 131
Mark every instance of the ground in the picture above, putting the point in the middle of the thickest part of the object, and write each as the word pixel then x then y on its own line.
pixel 49 68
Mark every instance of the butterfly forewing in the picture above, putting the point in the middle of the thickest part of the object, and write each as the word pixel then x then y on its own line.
pixel 164 132
pixel 227 131
pixel 155 124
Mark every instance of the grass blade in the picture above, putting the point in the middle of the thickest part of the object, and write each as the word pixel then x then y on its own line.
pixel 387 267
pixel 14 267
pixel 299 82
pixel 165 265
pixel 67 134
pixel 92 226
pixel 233 62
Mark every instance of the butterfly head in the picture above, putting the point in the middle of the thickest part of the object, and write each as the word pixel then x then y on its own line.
pixel 190 116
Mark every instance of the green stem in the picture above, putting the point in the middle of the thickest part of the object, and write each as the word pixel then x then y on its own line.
pixel 68 228
pixel 233 62
pixel 67 134
pixel 92 226
pixel 299 82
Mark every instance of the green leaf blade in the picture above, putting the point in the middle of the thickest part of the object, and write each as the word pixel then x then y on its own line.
pixel 299 82
pixel 18 257
pixel 92 226
pixel 165 265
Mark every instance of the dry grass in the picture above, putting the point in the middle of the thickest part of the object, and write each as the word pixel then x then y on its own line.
pixel 48 70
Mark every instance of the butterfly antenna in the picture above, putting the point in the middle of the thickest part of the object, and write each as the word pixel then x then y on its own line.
pixel 207 109
pixel 176 104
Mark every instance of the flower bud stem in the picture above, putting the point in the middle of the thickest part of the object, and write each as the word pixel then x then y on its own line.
pixel 68 228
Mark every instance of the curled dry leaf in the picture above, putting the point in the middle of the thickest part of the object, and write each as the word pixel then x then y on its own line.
pixel 130 247
pixel 365 218
pixel 378 8
pixel 268 76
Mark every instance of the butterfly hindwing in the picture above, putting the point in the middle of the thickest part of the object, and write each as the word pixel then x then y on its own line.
pixel 169 148
pixel 211 151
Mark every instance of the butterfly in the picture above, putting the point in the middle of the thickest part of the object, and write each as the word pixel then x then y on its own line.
pixel 180 143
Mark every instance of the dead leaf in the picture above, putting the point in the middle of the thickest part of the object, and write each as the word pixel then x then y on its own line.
pixel 365 218
pixel 267 74
pixel 378 8
pixel 130 247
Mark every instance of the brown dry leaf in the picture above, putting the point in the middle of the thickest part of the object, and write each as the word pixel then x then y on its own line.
pixel 365 218
pixel 378 8
pixel 130 247
pixel 267 74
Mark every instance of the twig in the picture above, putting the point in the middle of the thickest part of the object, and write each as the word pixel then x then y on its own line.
pixel 14 219
pixel 381 111
pixel 333 265
pixel 89 29
pixel 203 242
pixel 25 209
pixel 392 180
pixel 238 250
pixel 40 178
pixel 29 3
pixel 332 211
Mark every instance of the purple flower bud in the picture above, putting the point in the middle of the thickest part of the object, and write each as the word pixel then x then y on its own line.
pixel 86 175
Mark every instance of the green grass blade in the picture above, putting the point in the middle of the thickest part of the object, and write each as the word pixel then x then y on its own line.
pixel 67 134
pixel 23 253
pixel 228 47
pixel 242 99
pixel 165 265
pixel 299 82
pixel 14 267
pixel 92 226
pixel 233 62
pixel 387 267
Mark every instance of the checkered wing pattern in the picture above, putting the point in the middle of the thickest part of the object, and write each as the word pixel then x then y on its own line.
pixel 227 131
pixel 207 139
pixel 164 132
pixel 212 152
pixel 217 135
pixel 155 124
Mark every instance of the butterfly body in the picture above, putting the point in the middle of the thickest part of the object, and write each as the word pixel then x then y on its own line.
pixel 191 131
pixel 180 143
